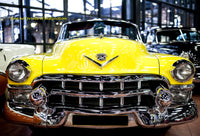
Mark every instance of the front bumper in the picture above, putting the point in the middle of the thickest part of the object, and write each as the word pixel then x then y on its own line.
pixel 101 102
pixel 147 118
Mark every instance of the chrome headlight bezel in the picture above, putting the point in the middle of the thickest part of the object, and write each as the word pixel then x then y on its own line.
pixel 17 71
pixel 183 71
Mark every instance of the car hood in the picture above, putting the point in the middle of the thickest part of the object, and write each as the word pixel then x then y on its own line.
pixel 79 56
pixel 176 48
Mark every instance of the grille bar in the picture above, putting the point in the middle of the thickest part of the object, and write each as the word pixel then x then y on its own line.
pixel 80 102
pixel 121 86
pixel 100 103
pixel 122 101
pixel 73 93
pixel 100 78
pixel 101 86
pixel 80 86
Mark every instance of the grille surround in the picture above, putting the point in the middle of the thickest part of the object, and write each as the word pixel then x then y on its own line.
pixel 71 92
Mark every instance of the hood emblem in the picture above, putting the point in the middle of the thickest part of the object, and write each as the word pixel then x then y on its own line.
pixel 101 65
pixel 101 57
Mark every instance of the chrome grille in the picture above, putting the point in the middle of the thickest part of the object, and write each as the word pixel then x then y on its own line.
pixel 197 74
pixel 100 91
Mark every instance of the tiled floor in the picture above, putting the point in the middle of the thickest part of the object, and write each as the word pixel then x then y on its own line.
pixel 189 129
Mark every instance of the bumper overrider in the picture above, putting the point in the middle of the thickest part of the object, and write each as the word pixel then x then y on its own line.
pixel 100 102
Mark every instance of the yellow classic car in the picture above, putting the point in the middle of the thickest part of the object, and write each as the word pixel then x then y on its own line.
pixel 100 75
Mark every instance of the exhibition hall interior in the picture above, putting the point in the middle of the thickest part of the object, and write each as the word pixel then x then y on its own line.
pixel 100 67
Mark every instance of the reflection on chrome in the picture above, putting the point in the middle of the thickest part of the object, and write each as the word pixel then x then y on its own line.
pixel 65 100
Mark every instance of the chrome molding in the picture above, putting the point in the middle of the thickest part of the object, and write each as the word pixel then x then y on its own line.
pixel 3 74
pixel 99 95
pixel 101 65
pixel 101 78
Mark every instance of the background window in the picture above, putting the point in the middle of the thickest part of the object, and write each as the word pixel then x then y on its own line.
pixel 33 28
pixel 116 8
pixel 53 23
pixel 33 3
pixel 151 14
pixel 105 8
pixel 76 6
pixel 16 2
pixel 9 24
pixel 92 7
pixel 50 4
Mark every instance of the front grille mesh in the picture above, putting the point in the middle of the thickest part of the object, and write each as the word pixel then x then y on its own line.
pixel 100 92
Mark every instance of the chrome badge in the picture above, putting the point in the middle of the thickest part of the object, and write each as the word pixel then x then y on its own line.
pixel 101 57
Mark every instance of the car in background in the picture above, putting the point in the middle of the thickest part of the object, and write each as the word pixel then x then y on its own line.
pixel 181 41
pixel 11 51
pixel 7 53
pixel 100 75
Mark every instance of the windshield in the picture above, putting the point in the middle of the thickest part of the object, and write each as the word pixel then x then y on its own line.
pixel 177 36
pixel 101 29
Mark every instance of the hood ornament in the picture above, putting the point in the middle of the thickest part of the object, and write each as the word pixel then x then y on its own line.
pixel 101 65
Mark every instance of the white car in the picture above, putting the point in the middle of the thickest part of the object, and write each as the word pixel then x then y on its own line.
pixel 11 51
pixel 7 53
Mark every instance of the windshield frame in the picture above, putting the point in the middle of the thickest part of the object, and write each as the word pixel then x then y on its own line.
pixel 64 30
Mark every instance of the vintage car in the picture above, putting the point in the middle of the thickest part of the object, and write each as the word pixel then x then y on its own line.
pixel 183 42
pixel 100 75
pixel 7 53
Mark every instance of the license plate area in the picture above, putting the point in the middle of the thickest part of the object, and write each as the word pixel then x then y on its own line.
pixel 100 120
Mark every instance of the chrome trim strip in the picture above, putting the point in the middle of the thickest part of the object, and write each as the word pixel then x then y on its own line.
pixel 101 86
pixel 80 86
pixel 80 102
pixel 182 87
pixel 101 101
pixel 139 100
pixel 104 64
pixel 63 84
pixel 17 112
pixel 3 74
pixel 100 78
pixel 122 101
pixel 121 86
pixel 63 100
pixel 20 87
pixel 98 95
pixel 101 65
pixel 95 62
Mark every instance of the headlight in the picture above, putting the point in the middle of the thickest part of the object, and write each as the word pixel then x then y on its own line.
pixel 183 71
pixel 17 71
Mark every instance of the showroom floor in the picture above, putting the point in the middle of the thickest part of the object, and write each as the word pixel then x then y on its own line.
pixel 189 129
